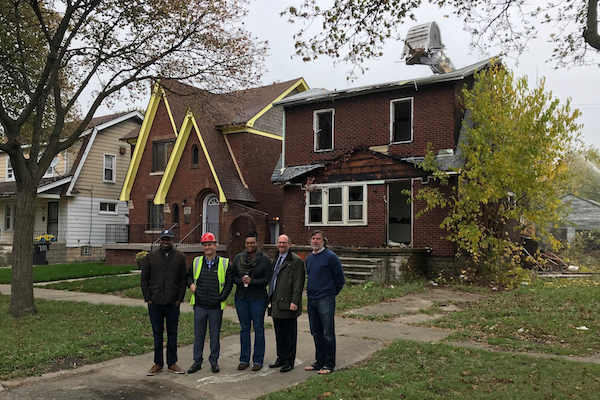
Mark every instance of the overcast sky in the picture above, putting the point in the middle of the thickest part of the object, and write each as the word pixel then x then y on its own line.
pixel 581 84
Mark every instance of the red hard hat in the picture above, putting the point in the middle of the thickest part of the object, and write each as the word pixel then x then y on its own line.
pixel 208 237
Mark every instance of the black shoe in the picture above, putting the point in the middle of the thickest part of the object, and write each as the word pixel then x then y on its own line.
pixel 194 368
pixel 286 368
pixel 215 368
pixel 276 364
pixel 242 366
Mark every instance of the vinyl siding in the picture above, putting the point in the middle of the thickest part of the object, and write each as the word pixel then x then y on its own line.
pixel 84 212
pixel 91 175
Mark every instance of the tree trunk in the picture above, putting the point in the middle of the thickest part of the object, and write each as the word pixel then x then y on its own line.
pixel 21 300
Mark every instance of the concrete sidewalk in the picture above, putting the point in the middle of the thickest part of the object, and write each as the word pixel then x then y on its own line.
pixel 125 378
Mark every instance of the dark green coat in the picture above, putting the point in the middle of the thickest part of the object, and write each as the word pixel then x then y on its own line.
pixel 289 287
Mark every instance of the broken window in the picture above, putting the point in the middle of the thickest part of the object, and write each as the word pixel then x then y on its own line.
pixel 323 127
pixel 401 120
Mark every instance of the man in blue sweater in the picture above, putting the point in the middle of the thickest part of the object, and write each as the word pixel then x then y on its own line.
pixel 325 280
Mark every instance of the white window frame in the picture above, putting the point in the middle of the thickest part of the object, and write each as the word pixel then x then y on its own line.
pixel 316 129
pixel 392 118
pixel 113 168
pixel 10 221
pixel 107 205
pixel 346 203
pixel 10 172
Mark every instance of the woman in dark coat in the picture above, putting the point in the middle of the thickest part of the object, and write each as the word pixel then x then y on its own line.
pixel 252 273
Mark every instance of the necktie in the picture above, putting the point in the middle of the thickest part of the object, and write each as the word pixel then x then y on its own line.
pixel 275 272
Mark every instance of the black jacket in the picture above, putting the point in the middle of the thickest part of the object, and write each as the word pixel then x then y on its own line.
pixel 163 278
pixel 261 276
pixel 207 287
pixel 288 288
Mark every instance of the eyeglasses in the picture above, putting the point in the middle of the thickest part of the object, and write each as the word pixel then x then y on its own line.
pixel 282 242
pixel 250 243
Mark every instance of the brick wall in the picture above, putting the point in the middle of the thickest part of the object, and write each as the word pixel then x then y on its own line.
pixel 365 120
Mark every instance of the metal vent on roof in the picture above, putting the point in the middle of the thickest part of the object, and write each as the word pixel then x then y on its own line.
pixel 423 45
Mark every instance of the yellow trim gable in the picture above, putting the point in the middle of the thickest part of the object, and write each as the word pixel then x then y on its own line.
pixel 180 143
pixel 142 138
pixel 173 163
pixel 300 85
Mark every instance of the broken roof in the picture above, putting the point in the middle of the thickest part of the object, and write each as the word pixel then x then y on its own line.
pixel 316 95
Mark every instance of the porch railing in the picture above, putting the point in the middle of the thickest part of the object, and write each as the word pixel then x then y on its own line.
pixel 139 233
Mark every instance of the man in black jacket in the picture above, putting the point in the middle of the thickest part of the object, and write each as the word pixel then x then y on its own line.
pixel 163 286
pixel 285 300
pixel 210 279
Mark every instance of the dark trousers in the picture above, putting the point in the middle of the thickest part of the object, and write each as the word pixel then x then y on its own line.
pixel 286 337
pixel 321 313
pixel 214 318
pixel 158 314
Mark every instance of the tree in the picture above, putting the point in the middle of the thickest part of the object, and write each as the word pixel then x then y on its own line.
pixel 517 146
pixel 52 52
pixel 355 30
pixel 586 174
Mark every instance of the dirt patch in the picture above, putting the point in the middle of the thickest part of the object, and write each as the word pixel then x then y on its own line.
pixel 62 364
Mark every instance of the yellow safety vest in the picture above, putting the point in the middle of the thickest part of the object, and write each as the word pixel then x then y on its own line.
pixel 223 264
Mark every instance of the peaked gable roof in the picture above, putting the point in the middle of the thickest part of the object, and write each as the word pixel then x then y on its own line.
pixel 95 126
pixel 195 110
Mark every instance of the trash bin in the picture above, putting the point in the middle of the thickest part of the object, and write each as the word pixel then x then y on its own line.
pixel 39 252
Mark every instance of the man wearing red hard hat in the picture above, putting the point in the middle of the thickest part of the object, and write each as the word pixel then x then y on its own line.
pixel 210 279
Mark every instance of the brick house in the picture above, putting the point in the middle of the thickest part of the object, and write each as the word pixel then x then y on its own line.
pixel 202 163
pixel 348 161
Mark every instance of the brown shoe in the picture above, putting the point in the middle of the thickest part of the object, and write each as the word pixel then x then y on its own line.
pixel 176 369
pixel 154 370
pixel 256 367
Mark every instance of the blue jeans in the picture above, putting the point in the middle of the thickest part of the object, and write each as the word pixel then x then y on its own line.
pixel 158 314
pixel 321 314
pixel 251 312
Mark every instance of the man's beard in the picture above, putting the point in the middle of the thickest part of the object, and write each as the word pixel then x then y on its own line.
pixel 166 247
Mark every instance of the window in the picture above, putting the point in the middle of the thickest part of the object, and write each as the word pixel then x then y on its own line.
pixel 10 217
pixel 108 208
pixel 161 151
pixel 156 216
pixel 10 175
pixel 336 205
pixel 401 120
pixel 195 155
pixel 323 127
pixel 110 173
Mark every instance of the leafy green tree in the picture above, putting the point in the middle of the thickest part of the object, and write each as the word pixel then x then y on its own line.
pixel 54 53
pixel 517 145
pixel 586 174
pixel 355 30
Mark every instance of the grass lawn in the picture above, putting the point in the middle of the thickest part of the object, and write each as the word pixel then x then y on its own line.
pixel 412 370
pixel 557 316
pixel 55 272
pixel 63 333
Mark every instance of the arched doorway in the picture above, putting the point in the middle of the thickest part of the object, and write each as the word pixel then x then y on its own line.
pixel 240 227
pixel 210 215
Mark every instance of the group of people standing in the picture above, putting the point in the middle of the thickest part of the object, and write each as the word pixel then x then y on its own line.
pixel 261 284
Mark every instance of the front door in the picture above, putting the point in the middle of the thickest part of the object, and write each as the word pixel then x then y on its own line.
pixel 400 214
pixel 210 215
pixel 52 226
